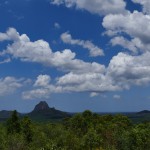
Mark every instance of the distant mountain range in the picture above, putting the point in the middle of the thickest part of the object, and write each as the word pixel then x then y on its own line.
pixel 41 112
pixel 144 112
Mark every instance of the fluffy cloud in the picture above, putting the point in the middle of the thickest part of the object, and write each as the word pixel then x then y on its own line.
pixel 125 43
pixel 24 49
pixel 135 24
pixel 72 83
pixel 42 80
pixel 123 71
pixel 93 49
pixel 40 52
pixel 127 70
pixel 145 4
pixel 41 92
pixel 99 7
pixel 41 88
pixel 94 94
pixel 8 85
pixel 11 34
pixel 135 45
pixel 36 94
pixel 89 82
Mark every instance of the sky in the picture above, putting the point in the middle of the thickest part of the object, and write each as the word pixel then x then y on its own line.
pixel 75 55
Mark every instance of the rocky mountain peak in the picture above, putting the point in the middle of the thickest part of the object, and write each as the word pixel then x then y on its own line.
pixel 41 106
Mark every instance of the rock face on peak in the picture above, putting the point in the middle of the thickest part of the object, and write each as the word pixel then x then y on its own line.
pixel 41 106
pixel 43 112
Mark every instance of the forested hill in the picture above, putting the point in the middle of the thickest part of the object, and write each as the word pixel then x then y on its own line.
pixel 84 131
pixel 144 112
pixel 41 112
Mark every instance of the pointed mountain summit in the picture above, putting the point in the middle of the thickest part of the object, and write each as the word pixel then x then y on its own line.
pixel 41 106
pixel 43 112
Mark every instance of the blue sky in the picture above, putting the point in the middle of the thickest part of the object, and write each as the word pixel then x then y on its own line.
pixel 76 55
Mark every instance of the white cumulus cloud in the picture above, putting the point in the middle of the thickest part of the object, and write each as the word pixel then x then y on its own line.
pixel 100 7
pixel 145 4
pixel 136 25
pixel 42 88
pixel 40 52
pixel 42 80
pixel 123 71
pixel 93 49
pixel 8 85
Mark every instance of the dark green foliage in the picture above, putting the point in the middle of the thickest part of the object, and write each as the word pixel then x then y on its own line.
pixel 16 142
pixel 92 140
pixel 13 124
pixel 86 131
pixel 2 138
pixel 139 137
pixel 27 129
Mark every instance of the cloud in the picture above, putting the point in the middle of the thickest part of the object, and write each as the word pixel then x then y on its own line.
pixel 40 52
pixel 41 92
pixel 42 88
pixel 125 43
pixel 57 25
pixel 100 7
pixel 94 94
pixel 89 82
pixel 136 25
pixel 135 45
pixel 11 34
pixel 57 2
pixel 116 96
pixel 131 31
pixel 36 94
pixel 123 71
pixel 7 60
pixel 127 70
pixel 145 4
pixel 93 49
pixel 26 50
pixel 9 85
pixel 42 80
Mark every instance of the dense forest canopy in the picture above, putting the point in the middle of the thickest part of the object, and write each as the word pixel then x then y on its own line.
pixel 84 131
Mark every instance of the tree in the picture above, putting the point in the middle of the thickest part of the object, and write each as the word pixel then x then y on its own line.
pixel 91 140
pixel 139 137
pixel 2 138
pixel 27 129
pixel 16 142
pixel 13 124
pixel 77 124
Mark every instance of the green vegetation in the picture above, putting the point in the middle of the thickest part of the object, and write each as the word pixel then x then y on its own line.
pixel 86 131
